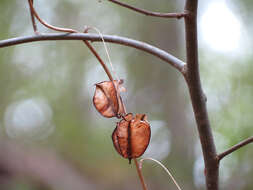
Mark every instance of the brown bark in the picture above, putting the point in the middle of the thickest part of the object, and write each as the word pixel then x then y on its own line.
pixel 198 98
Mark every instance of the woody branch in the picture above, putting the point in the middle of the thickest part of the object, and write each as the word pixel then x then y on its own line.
pixel 198 99
pixel 190 72
pixel 163 55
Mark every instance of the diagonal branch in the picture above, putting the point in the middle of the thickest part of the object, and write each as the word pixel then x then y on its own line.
pixel 163 55
pixel 150 13
pixel 235 147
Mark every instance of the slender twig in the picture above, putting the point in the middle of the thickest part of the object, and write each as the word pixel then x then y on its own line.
pixel 33 12
pixel 105 47
pixel 163 55
pixel 144 186
pixel 198 98
pixel 150 13
pixel 99 59
pixel 166 169
pixel 137 165
pixel 235 147
pixel 46 24
pixel 32 18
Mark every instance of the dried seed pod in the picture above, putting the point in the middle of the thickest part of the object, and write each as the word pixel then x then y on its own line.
pixel 131 136
pixel 107 99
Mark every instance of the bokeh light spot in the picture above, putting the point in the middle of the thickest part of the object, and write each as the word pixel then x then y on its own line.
pixel 29 118
pixel 220 28
pixel 160 142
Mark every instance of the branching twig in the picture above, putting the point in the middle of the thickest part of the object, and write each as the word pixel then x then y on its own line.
pixel 32 18
pixel 33 12
pixel 191 73
pixel 150 13
pixel 235 147
pixel 165 56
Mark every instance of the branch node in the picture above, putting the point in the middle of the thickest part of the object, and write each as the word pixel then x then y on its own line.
pixel 187 14
pixel 184 70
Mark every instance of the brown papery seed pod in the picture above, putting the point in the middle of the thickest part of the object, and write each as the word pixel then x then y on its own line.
pixel 131 136
pixel 107 99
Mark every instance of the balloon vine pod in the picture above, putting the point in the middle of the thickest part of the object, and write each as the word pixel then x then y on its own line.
pixel 131 136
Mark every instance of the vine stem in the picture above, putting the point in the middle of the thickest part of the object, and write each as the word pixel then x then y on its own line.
pixel 166 169
pixel 32 18
pixel 138 168
pixel 99 59
pixel 175 62
pixel 106 49
pixel 34 13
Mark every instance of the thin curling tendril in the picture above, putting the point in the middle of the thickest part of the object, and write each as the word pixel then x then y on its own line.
pixel 106 49
pixel 166 169
pixel 33 11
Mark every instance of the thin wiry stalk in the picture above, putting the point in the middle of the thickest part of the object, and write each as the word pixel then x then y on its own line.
pixel 46 24
pixel 150 13
pixel 33 12
pixel 166 169
pixel 144 186
pixel 32 18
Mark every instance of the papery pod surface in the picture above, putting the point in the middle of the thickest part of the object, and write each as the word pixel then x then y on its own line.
pixel 140 135
pixel 107 100
pixel 131 136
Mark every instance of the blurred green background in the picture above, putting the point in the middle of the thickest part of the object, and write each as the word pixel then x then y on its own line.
pixel 47 88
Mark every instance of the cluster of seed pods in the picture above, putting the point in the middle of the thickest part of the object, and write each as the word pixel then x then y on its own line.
pixel 132 134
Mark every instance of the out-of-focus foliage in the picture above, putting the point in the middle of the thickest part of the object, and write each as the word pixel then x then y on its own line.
pixel 47 88
pixel 227 81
